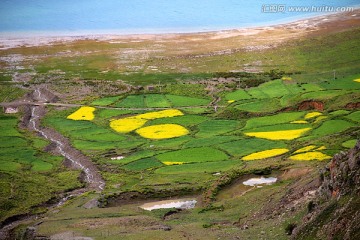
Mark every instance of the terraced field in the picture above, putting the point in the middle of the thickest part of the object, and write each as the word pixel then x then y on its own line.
pixel 29 176
pixel 176 143
pixel 151 101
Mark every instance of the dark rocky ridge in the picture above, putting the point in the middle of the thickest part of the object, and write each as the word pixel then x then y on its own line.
pixel 335 212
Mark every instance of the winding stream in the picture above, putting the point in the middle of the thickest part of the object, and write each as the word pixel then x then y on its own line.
pixel 63 147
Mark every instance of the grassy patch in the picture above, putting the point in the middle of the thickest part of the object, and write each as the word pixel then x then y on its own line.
pixel 108 113
pixel 106 145
pixel 66 125
pixel 355 116
pixel 238 95
pixel 210 141
pixel 330 127
pixel 324 95
pixel 182 101
pixel 97 134
pixel 7 126
pixel 339 112
pixel 209 167
pixel 9 166
pixel 12 141
pixel 350 143
pixel 143 164
pixel 280 127
pixel 132 101
pixel 185 120
pixel 260 106
pixel 172 143
pixel 41 166
pixel 244 147
pixel 204 154
pixel 27 176
pixel 342 83
pixel 273 120
pixel 105 101
pixel 9 92
pixel 216 127
pixel 139 154
pixel 156 101
pixel 274 89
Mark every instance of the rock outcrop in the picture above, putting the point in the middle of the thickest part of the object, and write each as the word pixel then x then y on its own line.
pixel 335 212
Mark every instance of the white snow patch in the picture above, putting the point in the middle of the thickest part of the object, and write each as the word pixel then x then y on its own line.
pixel 182 204
pixel 261 180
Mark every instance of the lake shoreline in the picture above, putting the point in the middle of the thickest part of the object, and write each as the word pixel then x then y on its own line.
pixel 327 21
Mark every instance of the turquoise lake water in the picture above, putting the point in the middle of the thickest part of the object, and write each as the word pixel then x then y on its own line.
pixel 67 17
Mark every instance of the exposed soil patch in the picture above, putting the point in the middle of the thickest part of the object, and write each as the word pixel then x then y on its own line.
pixel 311 105
pixel 352 106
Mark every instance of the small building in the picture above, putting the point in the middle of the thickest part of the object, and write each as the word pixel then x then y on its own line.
pixel 150 88
pixel 11 110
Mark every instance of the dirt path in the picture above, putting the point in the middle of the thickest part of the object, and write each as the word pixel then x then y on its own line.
pixel 63 146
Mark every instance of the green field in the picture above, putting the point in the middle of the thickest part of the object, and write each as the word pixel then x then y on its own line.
pixel 355 116
pixel 17 151
pixel 105 101
pixel 186 120
pixel 191 155
pixel 132 101
pixel 273 119
pixel 109 113
pixel 259 106
pixel 330 127
pixel 209 167
pixel 210 141
pixel 156 101
pixel 29 176
pixel 244 147
pixel 143 164
pixel 216 127
pixel 181 101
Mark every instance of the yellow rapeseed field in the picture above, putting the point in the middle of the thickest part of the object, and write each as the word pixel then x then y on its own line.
pixel 312 114
pixel 357 80
pixel 286 78
pixel 129 124
pixel 321 148
pixel 160 114
pixel 162 131
pixel 279 135
pixel 318 119
pixel 172 163
pixel 231 101
pixel 305 149
pixel 126 125
pixel 300 122
pixel 265 154
pixel 310 156
pixel 83 113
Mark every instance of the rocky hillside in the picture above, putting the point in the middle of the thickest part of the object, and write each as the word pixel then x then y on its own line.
pixel 335 214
